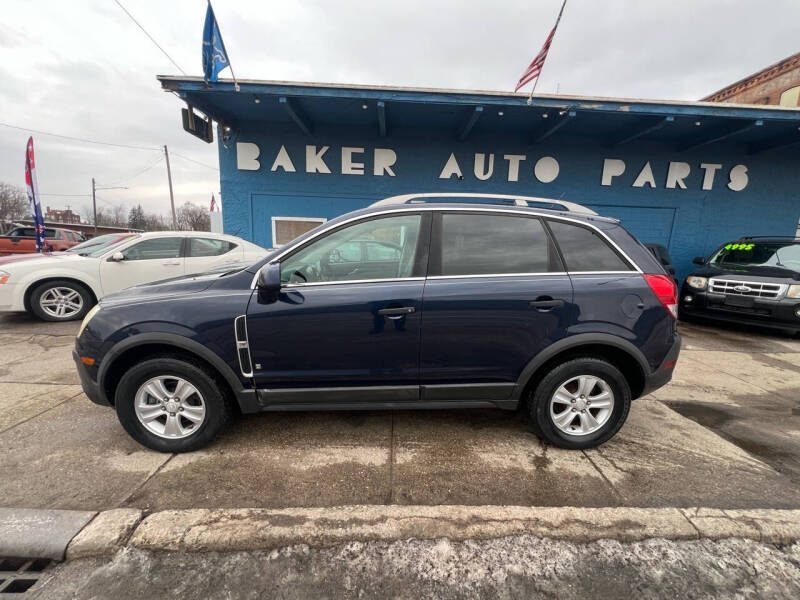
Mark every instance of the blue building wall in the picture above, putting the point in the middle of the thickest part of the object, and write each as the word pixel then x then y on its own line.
pixel 690 221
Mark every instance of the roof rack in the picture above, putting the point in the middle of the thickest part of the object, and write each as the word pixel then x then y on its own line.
pixel 498 198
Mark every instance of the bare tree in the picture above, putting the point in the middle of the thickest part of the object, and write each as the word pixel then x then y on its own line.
pixel 13 202
pixel 193 218
pixel 116 216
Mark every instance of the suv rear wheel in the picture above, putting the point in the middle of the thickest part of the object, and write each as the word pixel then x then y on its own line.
pixel 580 404
pixel 171 405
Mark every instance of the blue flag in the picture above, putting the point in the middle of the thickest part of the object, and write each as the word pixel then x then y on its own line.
pixel 215 58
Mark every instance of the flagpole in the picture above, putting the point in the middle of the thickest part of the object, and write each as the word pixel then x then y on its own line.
pixel 235 83
pixel 536 81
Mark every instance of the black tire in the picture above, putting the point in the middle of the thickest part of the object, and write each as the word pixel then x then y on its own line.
pixel 87 300
pixel 541 422
pixel 218 410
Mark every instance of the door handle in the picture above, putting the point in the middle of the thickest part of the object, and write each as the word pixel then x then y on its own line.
pixel 396 313
pixel 546 304
pixel 171 264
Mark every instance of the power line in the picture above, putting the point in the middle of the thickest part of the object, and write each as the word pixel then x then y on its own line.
pixel 202 164
pixel 152 39
pixel 68 195
pixel 137 173
pixel 77 139
pixel 110 203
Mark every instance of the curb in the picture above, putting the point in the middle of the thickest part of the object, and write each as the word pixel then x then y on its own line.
pixel 75 534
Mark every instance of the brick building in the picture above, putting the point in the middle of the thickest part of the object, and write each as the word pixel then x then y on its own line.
pixel 62 216
pixel 778 84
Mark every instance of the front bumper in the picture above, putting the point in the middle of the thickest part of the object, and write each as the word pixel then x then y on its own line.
pixel 747 310
pixel 91 388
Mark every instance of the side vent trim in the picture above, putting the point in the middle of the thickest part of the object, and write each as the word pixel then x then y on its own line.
pixel 242 345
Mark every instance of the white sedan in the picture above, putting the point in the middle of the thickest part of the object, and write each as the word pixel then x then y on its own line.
pixel 63 286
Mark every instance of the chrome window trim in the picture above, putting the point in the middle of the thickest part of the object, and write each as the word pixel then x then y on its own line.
pixel 541 274
pixel 348 281
pixel 604 273
pixel 414 208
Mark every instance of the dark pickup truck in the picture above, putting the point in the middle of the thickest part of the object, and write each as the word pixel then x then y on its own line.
pixel 22 240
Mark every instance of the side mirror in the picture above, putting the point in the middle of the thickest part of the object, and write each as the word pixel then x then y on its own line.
pixel 116 257
pixel 699 260
pixel 269 282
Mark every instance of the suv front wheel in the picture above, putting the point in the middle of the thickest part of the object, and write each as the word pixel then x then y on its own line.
pixel 171 405
pixel 580 404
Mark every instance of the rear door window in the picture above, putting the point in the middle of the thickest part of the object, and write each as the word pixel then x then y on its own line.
pixel 584 250
pixel 199 247
pixel 491 244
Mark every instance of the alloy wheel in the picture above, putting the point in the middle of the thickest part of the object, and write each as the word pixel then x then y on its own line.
pixel 582 405
pixel 169 407
pixel 61 302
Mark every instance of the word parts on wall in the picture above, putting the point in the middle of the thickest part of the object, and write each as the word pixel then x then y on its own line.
pixel 383 162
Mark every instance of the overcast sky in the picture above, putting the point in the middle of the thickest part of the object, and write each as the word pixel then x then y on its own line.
pixel 82 68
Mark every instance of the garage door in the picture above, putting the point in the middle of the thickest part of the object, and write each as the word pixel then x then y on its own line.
pixel 648 224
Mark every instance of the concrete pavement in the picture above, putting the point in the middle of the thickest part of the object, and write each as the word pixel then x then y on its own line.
pixel 510 567
pixel 61 451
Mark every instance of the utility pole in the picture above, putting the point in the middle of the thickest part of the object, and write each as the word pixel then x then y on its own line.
pixel 171 196
pixel 94 206
pixel 94 200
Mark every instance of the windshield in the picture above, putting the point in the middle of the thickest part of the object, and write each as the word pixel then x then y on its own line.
pixel 100 244
pixel 784 255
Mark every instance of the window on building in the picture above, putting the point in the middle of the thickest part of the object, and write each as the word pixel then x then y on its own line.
pixel 209 247
pixel 165 247
pixel 585 250
pixel 339 256
pixel 791 97
pixel 285 229
pixel 485 244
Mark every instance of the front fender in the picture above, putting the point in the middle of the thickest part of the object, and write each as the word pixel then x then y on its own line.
pixel 245 397
pixel 30 281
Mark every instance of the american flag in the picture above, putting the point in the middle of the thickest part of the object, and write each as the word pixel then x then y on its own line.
pixel 213 203
pixel 535 68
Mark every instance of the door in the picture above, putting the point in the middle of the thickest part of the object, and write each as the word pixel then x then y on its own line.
pixel 152 259
pixel 345 327
pixel 204 254
pixel 496 295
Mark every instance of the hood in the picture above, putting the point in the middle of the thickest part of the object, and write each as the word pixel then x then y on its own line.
pixel 34 258
pixel 765 274
pixel 168 288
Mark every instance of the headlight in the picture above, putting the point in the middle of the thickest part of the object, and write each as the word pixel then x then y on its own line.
pixel 698 283
pixel 88 318
pixel 793 291
pixel 4 277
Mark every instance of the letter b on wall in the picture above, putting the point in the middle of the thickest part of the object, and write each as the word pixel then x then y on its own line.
pixel 247 156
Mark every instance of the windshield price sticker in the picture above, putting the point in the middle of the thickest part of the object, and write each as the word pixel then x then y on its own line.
pixel 739 246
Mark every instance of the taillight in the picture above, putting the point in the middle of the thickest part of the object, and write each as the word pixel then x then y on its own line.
pixel 666 291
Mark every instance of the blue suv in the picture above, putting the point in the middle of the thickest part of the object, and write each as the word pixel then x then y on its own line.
pixel 419 302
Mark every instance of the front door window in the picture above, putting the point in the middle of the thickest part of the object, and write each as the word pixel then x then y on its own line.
pixel 374 249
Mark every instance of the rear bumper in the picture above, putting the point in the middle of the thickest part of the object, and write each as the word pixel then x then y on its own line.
pixel 779 314
pixel 91 388
pixel 663 374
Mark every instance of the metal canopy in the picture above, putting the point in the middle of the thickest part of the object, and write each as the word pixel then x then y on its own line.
pixel 608 121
